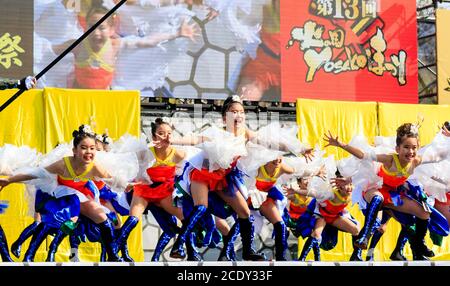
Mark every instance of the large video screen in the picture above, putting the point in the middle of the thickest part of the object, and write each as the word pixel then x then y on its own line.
pixel 183 49
pixel 263 50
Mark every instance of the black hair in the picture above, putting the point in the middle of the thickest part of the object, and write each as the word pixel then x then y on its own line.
pixel 447 125
pixel 404 130
pixel 158 122
pixel 228 102
pixel 80 134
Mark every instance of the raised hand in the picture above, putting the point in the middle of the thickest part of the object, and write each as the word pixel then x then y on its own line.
pixel 190 31
pixel 332 141
pixel 340 182
pixel 308 154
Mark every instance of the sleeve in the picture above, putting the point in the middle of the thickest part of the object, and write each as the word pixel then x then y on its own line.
pixel 275 136
pixel 320 189
pixel 123 168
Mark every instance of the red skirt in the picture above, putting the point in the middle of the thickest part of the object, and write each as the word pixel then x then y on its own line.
pixel 296 211
pixel 215 180
pixel 163 178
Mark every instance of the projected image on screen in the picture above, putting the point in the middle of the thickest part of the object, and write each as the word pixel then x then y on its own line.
pixel 184 49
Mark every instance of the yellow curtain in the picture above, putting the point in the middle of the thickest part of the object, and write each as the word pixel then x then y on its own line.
pixel 22 123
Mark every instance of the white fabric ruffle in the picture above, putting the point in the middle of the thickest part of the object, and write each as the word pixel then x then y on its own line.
pixel 219 151
pixel 13 158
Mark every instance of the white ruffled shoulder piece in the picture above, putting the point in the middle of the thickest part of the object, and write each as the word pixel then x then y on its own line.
pixel 364 173
pixel 123 168
pixel 320 189
pixel 275 136
pixel 138 23
pixel 221 149
pixel 435 178
pixel 190 152
pixel 384 145
pixel 232 15
pixel 128 143
pixel 58 153
pixel 13 158
pixel 307 169
pixel 257 156
pixel 438 149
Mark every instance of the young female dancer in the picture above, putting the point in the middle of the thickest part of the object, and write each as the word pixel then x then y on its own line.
pixel 162 176
pixel 73 174
pixel 394 170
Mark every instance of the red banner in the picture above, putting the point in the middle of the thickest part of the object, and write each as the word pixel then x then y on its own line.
pixel 360 50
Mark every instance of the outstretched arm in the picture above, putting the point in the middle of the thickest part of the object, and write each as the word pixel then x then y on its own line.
pixel 186 30
pixel 334 141
pixel 36 173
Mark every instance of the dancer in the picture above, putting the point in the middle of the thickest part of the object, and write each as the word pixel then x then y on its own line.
pixel 73 174
pixel 161 173
pixel 394 170
pixel 330 210
pixel 265 181
pixel 216 169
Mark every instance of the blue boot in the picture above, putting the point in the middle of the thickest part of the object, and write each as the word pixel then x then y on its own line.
pixel 38 237
pixel 280 241
pixel 74 243
pixel 316 249
pixel 228 253
pixel 107 236
pixel 356 255
pixel 188 225
pixel 124 248
pixel 397 254
pixel 126 229
pixel 26 233
pixel 371 216
pixel 4 250
pixel 373 243
pixel 418 247
pixel 309 244
pixel 163 240
pixel 103 256
pixel 247 236
pixel 53 248
pixel 192 253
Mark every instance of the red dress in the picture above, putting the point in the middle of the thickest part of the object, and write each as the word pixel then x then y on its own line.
pixel 265 182
pixel 77 182
pixel 330 211
pixel 162 174
pixel 215 180
pixel 298 206
pixel 391 181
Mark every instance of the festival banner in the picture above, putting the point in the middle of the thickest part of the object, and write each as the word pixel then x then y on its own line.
pixel 443 58
pixel 359 50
